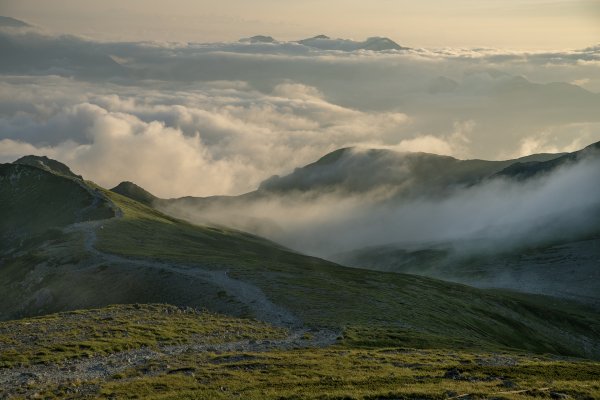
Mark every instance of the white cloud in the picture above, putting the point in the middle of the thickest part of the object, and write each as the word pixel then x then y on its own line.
pixel 200 142
pixel 242 112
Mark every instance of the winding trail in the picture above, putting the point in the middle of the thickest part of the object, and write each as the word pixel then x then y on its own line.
pixel 15 380
pixel 245 293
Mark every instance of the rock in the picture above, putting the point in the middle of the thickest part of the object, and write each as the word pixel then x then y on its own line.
pixel 454 374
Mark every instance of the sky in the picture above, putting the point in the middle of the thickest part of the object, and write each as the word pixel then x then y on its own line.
pixel 515 24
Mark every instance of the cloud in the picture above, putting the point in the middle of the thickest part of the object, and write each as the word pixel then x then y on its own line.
pixel 212 139
pixel 493 216
pixel 241 112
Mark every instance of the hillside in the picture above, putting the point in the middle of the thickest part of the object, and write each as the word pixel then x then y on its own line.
pixel 550 248
pixel 565 269
pixel 8 22
pixel 358 170
pixel 346 172
pixel 35 200
pixel 563 263
pixel 133 191
pixel 140 255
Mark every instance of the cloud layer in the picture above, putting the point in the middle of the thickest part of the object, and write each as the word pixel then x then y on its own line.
pixel 206 119
pixel 492 216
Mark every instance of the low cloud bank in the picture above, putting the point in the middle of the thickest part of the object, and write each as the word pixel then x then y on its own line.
pixel 494 216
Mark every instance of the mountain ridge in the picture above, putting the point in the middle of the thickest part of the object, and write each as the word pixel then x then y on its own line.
pixel 139 254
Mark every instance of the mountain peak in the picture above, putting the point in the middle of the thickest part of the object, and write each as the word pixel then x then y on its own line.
pixel 8 22
pixel 374 43
pixel 47 164
pixel 134 192
pixel 258 39
pixel 381 43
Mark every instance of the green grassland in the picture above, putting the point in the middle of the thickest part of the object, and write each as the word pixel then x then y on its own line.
pixel 84 333
pixel 342 371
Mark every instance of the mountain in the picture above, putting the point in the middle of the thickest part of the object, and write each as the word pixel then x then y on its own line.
pixel 37 201
pixel 104 248
pixel 47 164
pixel 380 44
pixel 133 191
pixel 8 22
pixel 359 170
pixel 258 39
pixel 564 269
pixel 547 252
pixel 532 168
pixel 560 262
pixel 349 171
pixel 37 53
pixel 323 42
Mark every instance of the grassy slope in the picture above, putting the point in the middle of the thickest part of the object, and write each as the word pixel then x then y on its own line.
pixel 339 372
pixel 34 201
pixel 561 268
pixel 392 308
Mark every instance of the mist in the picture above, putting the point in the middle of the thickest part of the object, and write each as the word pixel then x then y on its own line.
pixel 494 216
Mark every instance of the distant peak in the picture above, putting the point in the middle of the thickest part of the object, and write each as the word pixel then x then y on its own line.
pixel 47 164
pixel 258 39
pixel 8 22
pixel 134 192
pixel 381 43
pixel 374 43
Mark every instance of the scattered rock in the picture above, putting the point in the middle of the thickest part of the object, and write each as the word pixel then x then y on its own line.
pixel 453 373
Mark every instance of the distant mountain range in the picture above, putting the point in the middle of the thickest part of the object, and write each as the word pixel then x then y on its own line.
pixel 324 42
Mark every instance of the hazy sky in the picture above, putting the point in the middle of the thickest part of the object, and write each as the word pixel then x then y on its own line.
pixel 519 24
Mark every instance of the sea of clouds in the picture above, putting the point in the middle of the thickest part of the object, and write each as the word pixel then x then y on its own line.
pixel 207 119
